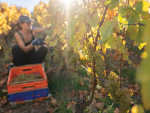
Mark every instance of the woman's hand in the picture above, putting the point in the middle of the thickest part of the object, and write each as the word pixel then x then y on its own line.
pixel 39 41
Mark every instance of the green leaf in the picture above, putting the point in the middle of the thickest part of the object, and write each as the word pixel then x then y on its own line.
pixel 132 31
pixel 100 41
pixel 106 30
pixel 118 41
pixel 80 11
pixel 144 78
pixel 77 44
pixel 138 40
pixel 81 31
pixel 111 42
pixel 53 43
pixel 146 31
pixel 71 32
pixel 122 10
pixel 94 20
pixel 142 6
pixel 116 25
pixel 125 56
pixel 71 28
pixel 112 3
pixel 122 49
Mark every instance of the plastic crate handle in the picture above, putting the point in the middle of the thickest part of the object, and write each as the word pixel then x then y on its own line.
pixel 29 86
pixel 26 69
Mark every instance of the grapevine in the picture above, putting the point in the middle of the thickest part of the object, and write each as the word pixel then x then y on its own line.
pixel 91 26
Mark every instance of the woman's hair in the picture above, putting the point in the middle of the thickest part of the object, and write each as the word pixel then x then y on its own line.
pixel 18 26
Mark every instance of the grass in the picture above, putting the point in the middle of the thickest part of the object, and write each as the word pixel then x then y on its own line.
pixel 60 85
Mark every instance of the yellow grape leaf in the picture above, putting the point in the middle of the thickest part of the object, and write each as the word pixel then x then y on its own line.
pixel 53 43
pixel 107 46
pixel 110 12
pixel 94 30
pixel 91 40
pixel 137 109
pixel 142 45
pixel 81 31
pixel 90 69
pixel 104 49
pixel 56 30
pixel 122 20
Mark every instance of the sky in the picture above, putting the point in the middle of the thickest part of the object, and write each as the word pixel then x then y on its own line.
pixel 29 4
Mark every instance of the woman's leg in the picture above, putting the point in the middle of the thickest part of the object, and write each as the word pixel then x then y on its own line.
pixel 17 55
pixel 40 55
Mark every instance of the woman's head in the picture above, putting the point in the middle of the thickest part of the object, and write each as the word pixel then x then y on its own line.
pixel 24 22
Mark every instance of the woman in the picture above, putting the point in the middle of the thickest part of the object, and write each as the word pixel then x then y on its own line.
pixel 24 52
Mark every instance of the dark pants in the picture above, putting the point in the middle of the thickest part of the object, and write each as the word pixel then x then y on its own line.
pixel 32 57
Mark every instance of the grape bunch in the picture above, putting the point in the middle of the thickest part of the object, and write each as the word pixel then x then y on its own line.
pixel 124 95
pixel 113 85
pixel 100 66
pixel 74 58
pixel 24 77
pixel 119 95
pixel 89 48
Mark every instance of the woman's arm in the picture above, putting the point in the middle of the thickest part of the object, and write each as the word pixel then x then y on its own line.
pixel 38 30
pixel 21 43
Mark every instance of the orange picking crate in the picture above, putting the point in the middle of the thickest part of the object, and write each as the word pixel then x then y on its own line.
pixel 26 85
